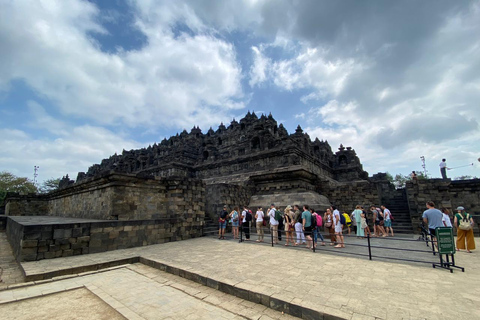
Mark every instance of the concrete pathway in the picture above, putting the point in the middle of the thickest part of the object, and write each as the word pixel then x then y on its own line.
pixel 297 281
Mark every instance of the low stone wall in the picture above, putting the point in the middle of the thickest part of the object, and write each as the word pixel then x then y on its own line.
pixel 51 238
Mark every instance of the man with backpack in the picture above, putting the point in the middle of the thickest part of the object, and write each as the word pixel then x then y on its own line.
pixel 272 213
pixel 246 218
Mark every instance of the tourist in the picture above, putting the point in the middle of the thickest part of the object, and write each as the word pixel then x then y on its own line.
pixel 348 221
pixel 443 168
pixel 464 224
pixel 289 225
pixel 246 218
pixel 328 225
pixel 338 227
pixel 280 225
pixel 447 222
pixel 365 221
pixel 259 216
pixel 358 215
pixel 222 223
pixel 307 226
pixel 273 223
pixel 387 215
pixel 378 229
pixel 316 230
pixel 433 218
pixel 234 215
pixel 298 226
pixel 413 176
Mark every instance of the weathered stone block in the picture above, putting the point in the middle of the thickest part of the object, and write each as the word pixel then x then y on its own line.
pixel 29 243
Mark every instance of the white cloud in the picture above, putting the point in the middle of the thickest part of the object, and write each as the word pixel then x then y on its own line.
pixel 259 67
pixel 165 82
pixel 70 152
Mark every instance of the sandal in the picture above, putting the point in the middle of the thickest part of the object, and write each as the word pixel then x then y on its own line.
pixel 338 246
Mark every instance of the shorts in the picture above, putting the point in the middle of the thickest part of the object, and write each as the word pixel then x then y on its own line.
pixel 234 223
pixel 349 224
pixel 387 223
pixel 432 232
pixel 308 231
pixel 338 228
pixel 222 225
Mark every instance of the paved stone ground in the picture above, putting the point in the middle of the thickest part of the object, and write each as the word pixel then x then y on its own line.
pixel 135 292
pixel 78 304
pixel 331 284
pixel 10 272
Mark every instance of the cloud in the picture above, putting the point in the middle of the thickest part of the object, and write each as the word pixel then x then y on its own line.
pixel 66 153
pixel 167 81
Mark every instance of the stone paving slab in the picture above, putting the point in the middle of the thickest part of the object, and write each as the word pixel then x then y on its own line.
pixel 137 292
pixel 332 285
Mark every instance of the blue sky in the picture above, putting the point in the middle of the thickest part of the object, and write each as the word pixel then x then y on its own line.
pixel 81 80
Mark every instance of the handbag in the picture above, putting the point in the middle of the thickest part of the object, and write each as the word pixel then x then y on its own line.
pixel 364 223
pixel 328 225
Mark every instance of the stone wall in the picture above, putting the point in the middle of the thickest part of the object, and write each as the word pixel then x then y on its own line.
pixel 26 205
pixel 116 197
pixel 220 194
pixel 345 196
pixel 445 193
pixel 31 241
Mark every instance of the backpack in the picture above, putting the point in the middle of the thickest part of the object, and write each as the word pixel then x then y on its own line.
pixel 464 224
pixel 342 219
pixel 278 215
pixel 314 220
pixel 248 217
pixel 319 220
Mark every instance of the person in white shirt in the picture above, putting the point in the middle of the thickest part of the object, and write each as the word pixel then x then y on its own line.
pixel 387 216
pixel 443 168
pixel 338 227
pixel 446 218
pixel 273 223
pixel 259 216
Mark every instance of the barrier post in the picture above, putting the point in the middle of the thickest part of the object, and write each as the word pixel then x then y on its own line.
pixel 241 231
pixel 271 234
pixel 369 247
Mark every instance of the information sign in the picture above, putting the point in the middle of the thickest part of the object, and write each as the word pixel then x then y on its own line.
pixel 445 240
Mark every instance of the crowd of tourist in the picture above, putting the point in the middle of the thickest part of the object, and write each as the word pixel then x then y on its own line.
pixel 304 226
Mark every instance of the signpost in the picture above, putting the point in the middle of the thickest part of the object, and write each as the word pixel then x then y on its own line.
pixel 446 246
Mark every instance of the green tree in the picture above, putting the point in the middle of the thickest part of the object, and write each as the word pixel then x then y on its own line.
pixel 49 185
pixel 11 183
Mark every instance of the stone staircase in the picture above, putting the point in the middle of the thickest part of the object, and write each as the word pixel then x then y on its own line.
pixel 398 206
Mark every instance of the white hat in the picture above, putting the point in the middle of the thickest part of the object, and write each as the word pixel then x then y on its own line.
pixel 461 208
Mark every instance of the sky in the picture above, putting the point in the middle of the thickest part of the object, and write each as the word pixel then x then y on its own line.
pixel 395 80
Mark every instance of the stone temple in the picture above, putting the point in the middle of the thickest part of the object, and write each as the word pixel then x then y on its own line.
pixel 254 161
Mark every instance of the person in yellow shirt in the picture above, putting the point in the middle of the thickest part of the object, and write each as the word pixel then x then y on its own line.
pixel 348 221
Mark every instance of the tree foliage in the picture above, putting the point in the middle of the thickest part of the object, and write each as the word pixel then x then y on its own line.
pixel 399 180
pixel 49 185
pixel 11 183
